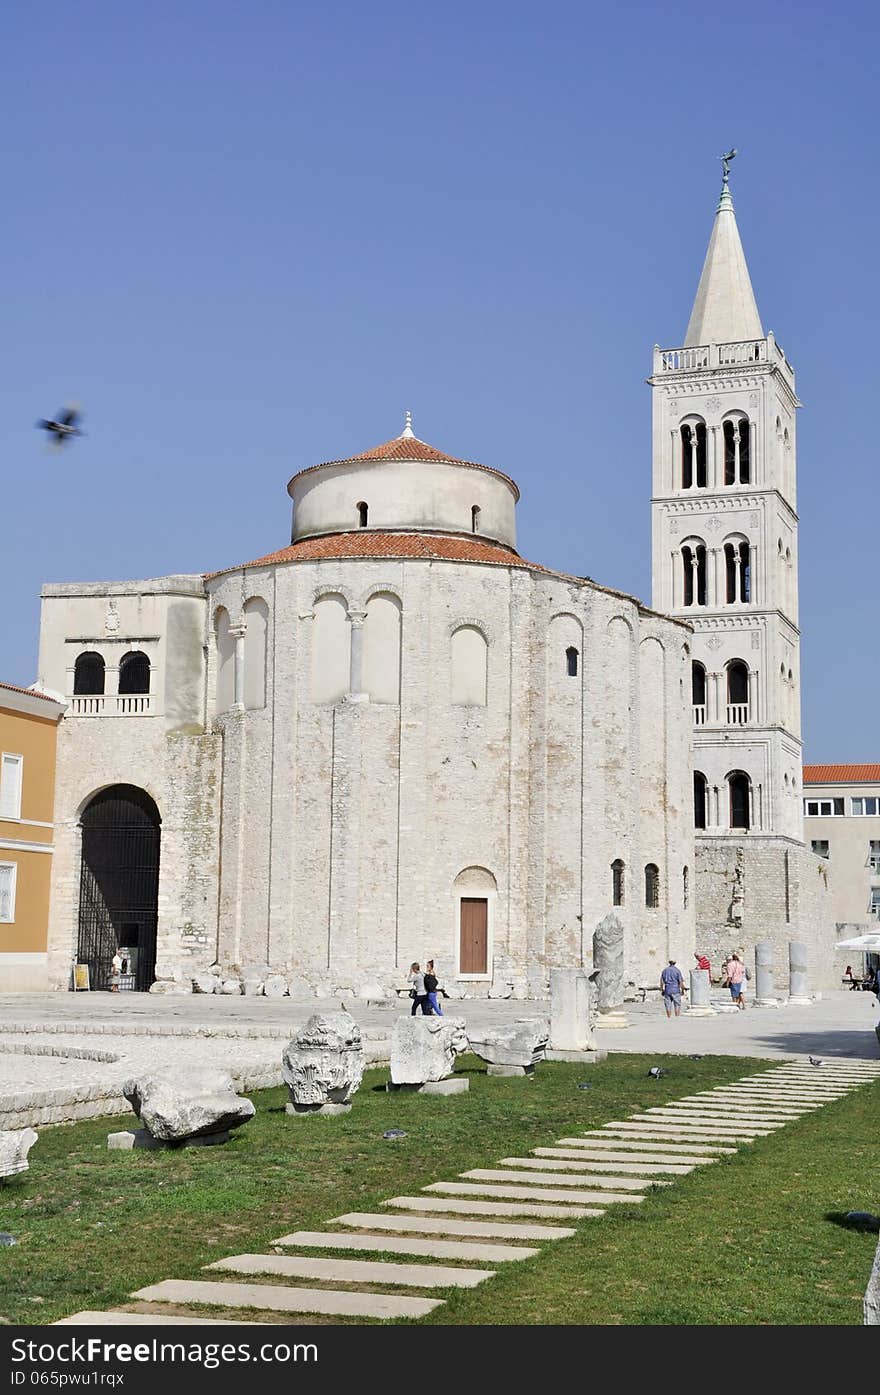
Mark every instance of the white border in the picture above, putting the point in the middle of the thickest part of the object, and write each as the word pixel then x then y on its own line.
pixel 14 866
pixel 12 756
pixel 490 897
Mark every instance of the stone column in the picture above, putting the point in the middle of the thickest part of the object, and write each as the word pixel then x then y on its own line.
pixel 356 679
pixel 797 975
pixel 571 1025
pixel 238 633
pixel 608 963
pixel 764 994
pixel 699 1005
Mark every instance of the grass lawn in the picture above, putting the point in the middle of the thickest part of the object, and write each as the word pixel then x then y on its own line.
pixel 750 1239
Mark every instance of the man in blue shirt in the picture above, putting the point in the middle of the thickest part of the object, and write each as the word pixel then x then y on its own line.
pixel 672 987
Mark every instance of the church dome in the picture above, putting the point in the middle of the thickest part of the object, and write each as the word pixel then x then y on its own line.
pixel 404 484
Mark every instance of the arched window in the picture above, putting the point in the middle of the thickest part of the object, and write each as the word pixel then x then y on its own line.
pixel 88 675
pixel 737 450
pixel 738 572
pixel 652 886
pixel 256 614
pixel 381 665
pixel 363 514
pixel 134 673
pixel 685 890
pixel 225 691
pixel 571 662
pixel 470 665
pixel 693 455
pixel 740 787
pixel 475 518
pixel 693 556
pixel 698 692
pixel 700 799
pixel 737 692
pixel 617 870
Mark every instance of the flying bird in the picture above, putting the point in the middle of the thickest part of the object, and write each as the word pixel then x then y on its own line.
pixel 65 426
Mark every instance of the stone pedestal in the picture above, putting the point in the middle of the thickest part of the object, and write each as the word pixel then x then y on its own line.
pixel 611 1021
pixel 764 991
pixel 571 1020
pixel 300 1111
pixel 699 1005
pixel 588 1058
pixel 15 1144
pixel 523 1072
pixel 126 1139
pixel 456 1085
pixel 797 975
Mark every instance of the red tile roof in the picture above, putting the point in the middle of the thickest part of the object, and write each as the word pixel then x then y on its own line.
pixel 375 544
pixel 842 774
pixel 28 692
pixel 410 448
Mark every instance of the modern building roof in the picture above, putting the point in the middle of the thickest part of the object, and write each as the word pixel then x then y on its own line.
pixel 842 774
pixel 28 692
pixel 725 310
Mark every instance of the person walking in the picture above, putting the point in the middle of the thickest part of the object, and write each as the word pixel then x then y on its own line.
pixel 736 979
pixel 115 971
pixel 431 989
pixel 672 987
pixel 417 992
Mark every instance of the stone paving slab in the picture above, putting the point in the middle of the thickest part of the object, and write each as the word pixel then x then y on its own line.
pixel 115 1317
pixel 597 1139
pixel 728 1109
pixel 358 1271
pixel 487 1229
pixel 473 1207
pixel 673 1163
pixel 281 1298
pixel 429 1246
pixel 501 1174
pixel 713 1118
pixel 529 1193
pixel 560 1160
pixel 646 1130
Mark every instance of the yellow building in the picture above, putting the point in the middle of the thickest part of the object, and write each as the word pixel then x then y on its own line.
pixel 28 731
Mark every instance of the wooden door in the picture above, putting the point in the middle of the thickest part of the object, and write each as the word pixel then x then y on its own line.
pixel 474 945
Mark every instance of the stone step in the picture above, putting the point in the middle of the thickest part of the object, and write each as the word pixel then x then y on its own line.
pixel 496 1208
pixel 429 1246
pixel 281 1298
pixel 639 1128
pixel 595 1138
pixel 115 1317
pixel 676 1163
pixel 726 1109
pixel 560 1160
pixel 511 1174
pixel 529 1193
pixel 736 1099
pixel 355 1271
pixel 488 1230
pixel 708 1120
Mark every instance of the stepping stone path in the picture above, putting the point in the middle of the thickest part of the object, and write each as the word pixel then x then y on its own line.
pixel 493 1215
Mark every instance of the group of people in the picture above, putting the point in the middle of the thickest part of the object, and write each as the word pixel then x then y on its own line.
pixel 672 985
pixel 425 990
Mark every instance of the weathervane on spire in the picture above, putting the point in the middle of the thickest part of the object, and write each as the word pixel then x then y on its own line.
pixel 407 427
pixel 725 161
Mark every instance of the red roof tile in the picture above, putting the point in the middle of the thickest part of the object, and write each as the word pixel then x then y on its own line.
pixel 375 544
pixel 410 448
pixel 842 774
pixel 28 692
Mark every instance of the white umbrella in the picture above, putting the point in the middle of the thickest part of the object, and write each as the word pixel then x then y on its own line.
pixel 867 942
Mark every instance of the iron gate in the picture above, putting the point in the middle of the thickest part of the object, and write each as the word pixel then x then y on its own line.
pixel 119 887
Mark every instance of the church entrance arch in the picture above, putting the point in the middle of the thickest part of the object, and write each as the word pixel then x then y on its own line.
pixel 119 886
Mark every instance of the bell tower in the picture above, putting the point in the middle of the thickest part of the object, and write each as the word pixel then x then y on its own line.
pixel 725 549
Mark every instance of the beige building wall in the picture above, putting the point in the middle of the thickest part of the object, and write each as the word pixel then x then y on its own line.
pixel 853 863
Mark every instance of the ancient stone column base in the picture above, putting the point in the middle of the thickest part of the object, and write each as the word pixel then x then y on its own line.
pixel 700 1012
pixel 611 1021
pixel 456 1086
pixel 586 1057
pixel 798 1002
pixel 521 1071
pixel 299 1111
pixel 766 1003
pixel 127 1139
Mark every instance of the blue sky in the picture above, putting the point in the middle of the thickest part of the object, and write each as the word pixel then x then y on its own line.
pixel 248 237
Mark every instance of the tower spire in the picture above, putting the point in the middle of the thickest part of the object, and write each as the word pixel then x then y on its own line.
pixel 725 310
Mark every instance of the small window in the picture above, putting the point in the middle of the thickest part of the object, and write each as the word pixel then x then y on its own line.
pixel 700 799
pixel 685 891
pixel 7 892
pixel 475 518
pixel 820 847
pixel 652 886
pixel 571 662
pixel 875 901
pixel 134 673
pixel 874 854
pixel 740 789
pixel 866 806
pixel 363 514
pixel 617 869
pixel 10 786
pixel 88 676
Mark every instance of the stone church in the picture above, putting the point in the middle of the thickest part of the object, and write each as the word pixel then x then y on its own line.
pixel 395 738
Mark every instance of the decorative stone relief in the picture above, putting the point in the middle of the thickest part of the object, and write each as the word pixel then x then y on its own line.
pixel 111 619
pixel 324 1063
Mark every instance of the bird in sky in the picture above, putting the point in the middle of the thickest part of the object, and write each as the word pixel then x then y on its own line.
pixel 65 426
